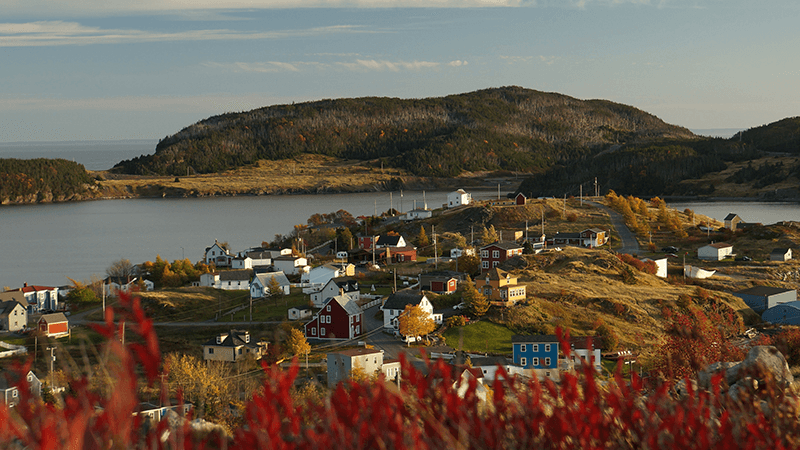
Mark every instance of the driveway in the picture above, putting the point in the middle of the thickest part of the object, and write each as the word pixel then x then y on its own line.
pixel 630 244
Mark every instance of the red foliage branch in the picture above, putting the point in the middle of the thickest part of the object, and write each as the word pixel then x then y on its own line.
pixel 437 410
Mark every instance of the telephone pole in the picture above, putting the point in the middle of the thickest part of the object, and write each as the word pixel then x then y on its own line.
pixel 52 360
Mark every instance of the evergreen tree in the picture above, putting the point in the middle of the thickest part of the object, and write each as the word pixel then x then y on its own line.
pixel 422 238
pixel 476 302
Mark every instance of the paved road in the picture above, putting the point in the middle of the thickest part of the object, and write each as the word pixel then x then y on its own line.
pixel 630 244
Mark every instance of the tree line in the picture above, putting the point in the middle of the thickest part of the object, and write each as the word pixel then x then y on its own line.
pixel 41 179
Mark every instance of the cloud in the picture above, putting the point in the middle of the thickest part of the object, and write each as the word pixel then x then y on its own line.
pixel 144 103
pixel 57 33
pixel 357 65
pixel 265 67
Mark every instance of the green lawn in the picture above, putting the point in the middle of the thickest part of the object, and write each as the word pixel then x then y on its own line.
pixel 483 336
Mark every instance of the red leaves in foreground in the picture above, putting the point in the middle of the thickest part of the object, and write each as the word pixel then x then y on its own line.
pixel 427 411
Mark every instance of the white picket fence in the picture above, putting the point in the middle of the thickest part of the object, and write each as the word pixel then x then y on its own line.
pixel 13 350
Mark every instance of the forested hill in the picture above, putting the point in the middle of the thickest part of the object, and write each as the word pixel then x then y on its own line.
pixel 782 136
pixel 508 128
pixel 43 180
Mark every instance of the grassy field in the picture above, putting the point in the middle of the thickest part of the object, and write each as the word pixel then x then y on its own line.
pixel 483 337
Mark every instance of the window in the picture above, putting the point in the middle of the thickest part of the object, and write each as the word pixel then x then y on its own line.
pixel 484 253
pixel 547 362
pixel 485 264
pixel 210 350
pixel 523 348
pixel 322 331
pixel 535 347
pixel 495 263
pixel 535 362
pixel 547 347
pixel 313 331
pixel 240 351
pixel 524 361
pixel 14 393
pixel 495 253
pixel 328 308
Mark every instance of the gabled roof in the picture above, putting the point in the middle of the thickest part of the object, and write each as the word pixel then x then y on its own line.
pixel 444 274
pixel 359 351
pixel 11 378
pixel 349 284
pixel 6 307
pixel 595 230
pixel 505 245
pixel 264 278
pixel 218 245
pixel 16 296
pixel 387 240
pixel 731 216
pixel 234 338
pixel 763 291
pixel 350 307
pixel 489 361
pixel 33 288
pixel 779 251
pixel 558 235
pixel 235 275
pixel 401 299
pixel 259 254
pixel 581 341
pixel 286 258
pixel 534 339
pixel 53 318
pixel 497 274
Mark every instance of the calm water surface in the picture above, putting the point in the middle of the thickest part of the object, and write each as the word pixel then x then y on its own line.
pixel 45 244
pixel 766 213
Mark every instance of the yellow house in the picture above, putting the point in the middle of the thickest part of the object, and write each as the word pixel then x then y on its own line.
pixel 501 288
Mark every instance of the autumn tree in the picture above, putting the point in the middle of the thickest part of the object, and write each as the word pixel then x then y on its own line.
pixel 469 264
pixel 344 238
pixel 476 302
pixel 297 345
pixel 415 322
pixel 274 288
pixel 122 269
pixel 422 238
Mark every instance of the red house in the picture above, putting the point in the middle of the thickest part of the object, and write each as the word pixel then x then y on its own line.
pixel 365 242
pixel 339 318
pixel 54 325
pixel 402 254
pixel 494 254
pixel 520 199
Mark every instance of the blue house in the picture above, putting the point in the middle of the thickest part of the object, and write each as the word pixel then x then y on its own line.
pixel 783 314
pixel 535 352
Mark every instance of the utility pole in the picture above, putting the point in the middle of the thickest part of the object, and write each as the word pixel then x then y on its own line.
pixel 391 203
pixel 395 280
pixel 374 243
pixel 498 191
pixel 52 360
pixel 596 188
pixel 435 251
pixel 104 296
pixel 401 201
pixel 581 194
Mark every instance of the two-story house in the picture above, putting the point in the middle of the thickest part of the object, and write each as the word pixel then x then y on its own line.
pixel 396 303
pixel 39 298
pixel 370 361
pixel 535 352
pixel 233 346
pixel 10 384
pixel 500 287
pixel 458 198
pixel 260 285
pixel 13 313
pixel 340 318
pixel 229 280
pixel 289 264
pixel 494 254
pixel 347 286
pixel 218 255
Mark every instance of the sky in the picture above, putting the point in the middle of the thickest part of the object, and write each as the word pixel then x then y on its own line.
pixel 144 69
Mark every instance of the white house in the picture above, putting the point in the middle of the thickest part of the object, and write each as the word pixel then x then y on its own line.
pixel 347 286
pixel 322 274
pixel 218 255
pixel 394 240
pixel 418 213
pixel 397 302
pixel 780 254
pixel 9 389
pixel 39 297
pixel 229 280
pixel 458 198
pixel 715 252
pixel 342 363
pixel 248 260
pixel 259 287
pixel 114 285
pixel 298 313
pixel 13 313
pixel 290 265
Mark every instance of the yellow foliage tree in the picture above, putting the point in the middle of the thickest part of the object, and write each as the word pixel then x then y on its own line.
pixel 415 322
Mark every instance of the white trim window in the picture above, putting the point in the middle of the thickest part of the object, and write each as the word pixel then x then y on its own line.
pixel 547 362
pixel 535 362
pixel 495 254
pixel 523 348
pixel 523 361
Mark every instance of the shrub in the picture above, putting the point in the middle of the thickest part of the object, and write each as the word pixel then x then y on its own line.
pixel 572 217
pixel 456 321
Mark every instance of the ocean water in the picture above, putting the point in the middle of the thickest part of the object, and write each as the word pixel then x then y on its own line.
pixel 94 155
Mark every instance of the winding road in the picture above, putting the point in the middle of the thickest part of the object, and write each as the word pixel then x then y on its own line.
pixel 630 244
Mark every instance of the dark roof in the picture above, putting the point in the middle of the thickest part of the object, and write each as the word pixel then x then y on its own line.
pixel 505 245
pixel 235 275
pixel 349 306
pixel 7 306
pixel 491 361
pixel 535 339
pixel 347 283
pixel 388 240
pixel 567 235
pixel 356 352
pixel 580 342
pixel 719 245
pixel 401 299
pixel 779 251
pixel 234 338
pixel 16 296
pixel 444 274
pixel 731 216
pixel 763 290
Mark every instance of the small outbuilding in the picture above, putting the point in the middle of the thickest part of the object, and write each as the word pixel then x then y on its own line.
pixel 780 254
pixel 715 252
pixel 762 298
pixel 520 199
pixel 54 325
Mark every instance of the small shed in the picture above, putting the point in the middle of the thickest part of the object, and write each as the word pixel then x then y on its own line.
pixel 661 266
pixel 731 221
pixel 780 254
pixel 715 252
pixel 762 298
pixel 54 325
pixel 520 199
pixel 784 314
pixel 298 313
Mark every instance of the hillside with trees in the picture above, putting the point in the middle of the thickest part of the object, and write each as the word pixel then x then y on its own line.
pixel 43 180
pixel 510 129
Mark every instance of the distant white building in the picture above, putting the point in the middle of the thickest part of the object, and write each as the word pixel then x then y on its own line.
pixel 715 252
pixel 458 198
pixel 259 287
pixel 418 213
pixel 229 280
pixel 290 265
